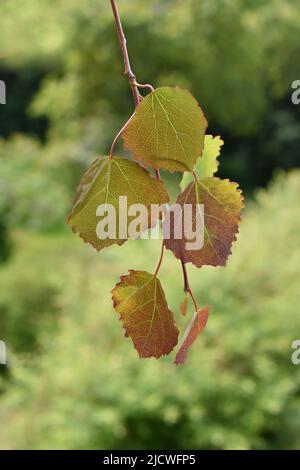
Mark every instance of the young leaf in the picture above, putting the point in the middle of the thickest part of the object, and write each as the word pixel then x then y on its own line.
pixel 102 184
pixel 208 164
pixel 167 130
pixel 141 303
pixel 184 305
pixel 223 203
pixel 197 324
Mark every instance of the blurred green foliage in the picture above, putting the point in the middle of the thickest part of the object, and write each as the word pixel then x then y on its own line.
pixel 72 380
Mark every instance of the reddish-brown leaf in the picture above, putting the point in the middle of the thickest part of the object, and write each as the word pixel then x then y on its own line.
pixel 141 303
pixel 223 202
pixel 197 324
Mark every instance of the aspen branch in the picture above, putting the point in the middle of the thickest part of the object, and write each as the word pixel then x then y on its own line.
pixel 123 43
pixel 128 70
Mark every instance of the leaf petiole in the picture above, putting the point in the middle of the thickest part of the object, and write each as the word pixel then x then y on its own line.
pixel 195 176
pixel 160 259
pixel 144 85
pixel 186 287
pixel 119 135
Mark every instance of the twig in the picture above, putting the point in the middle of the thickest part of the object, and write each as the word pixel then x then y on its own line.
pixel 134 87
pixel 187 288
pixel 128 71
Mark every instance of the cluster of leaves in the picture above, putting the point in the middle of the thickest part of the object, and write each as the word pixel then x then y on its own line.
pixel 167 131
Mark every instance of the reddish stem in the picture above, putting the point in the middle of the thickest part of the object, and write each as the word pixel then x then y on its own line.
pixel 118 135
pixel 160 259
pixel 123 43
pixel 134 87
pixel 128 71
pixel 187 288
pixel 195 175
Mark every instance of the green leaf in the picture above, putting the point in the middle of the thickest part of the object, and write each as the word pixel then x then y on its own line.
pixel 223 202
pixel 208 164
pixel 102 184
pixel 141 303
pixel 167 130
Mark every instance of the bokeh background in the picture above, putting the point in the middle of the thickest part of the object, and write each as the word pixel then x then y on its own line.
pixel 72 380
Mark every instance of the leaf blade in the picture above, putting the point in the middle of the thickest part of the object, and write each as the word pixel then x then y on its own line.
pixel 223 202
pixel 195 327
pixel 103 183
pixel 167 130
pixel 208 164
pixel 147 320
